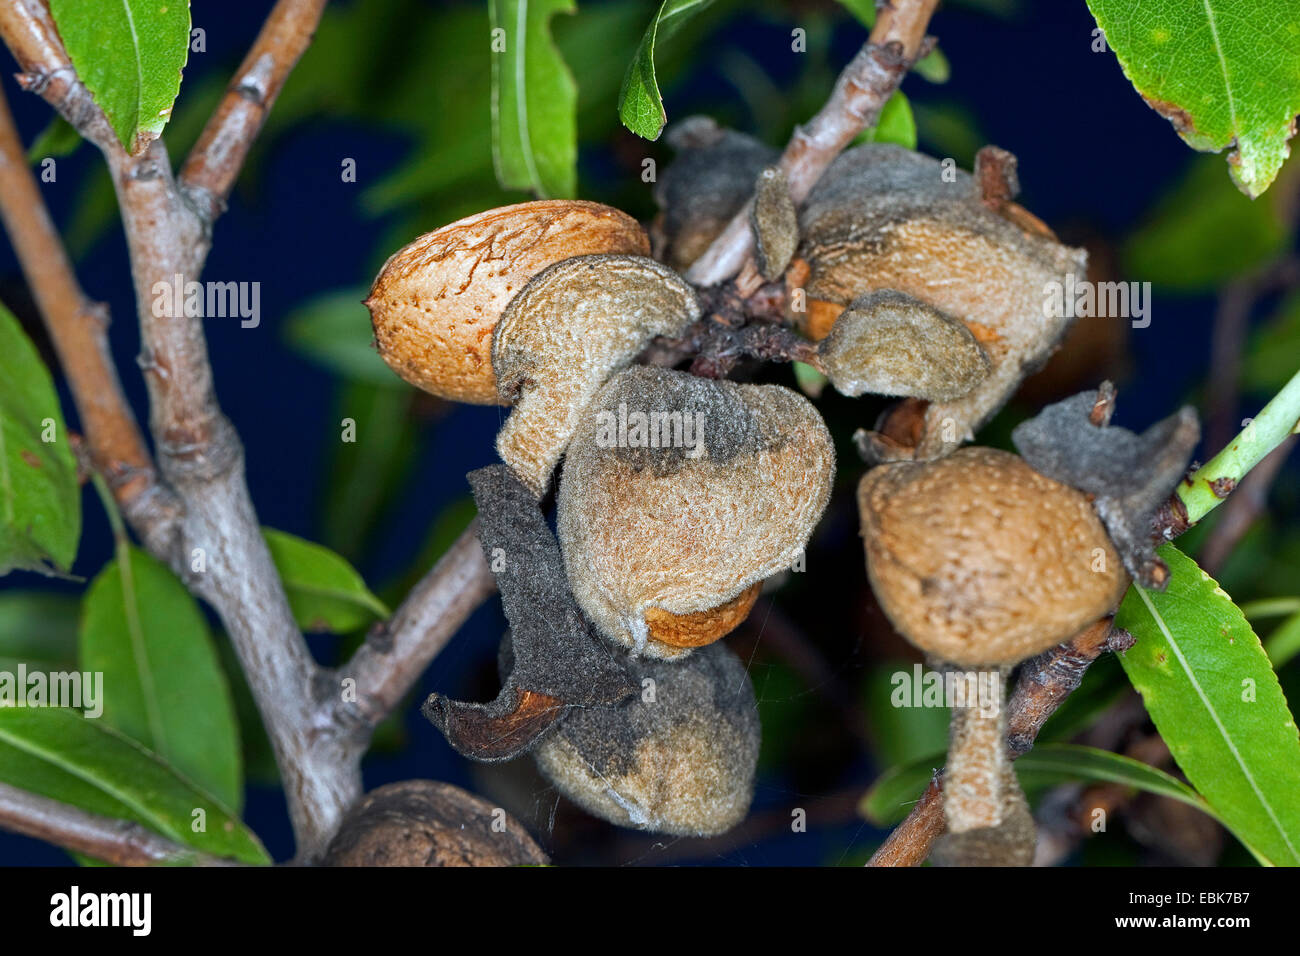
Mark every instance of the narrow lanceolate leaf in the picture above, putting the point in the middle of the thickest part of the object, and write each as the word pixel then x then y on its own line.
pixel 334 331
pixel 1212 693
pixel 325 592
pixel 130 54
pixel 61 755
pixel 893 794
pixel 59 138
pixel 1203 233
pixel 40 503
pixel 1284 643
pixel 1226 74
pixel 163 684
pixel 1055 763
pixel 640 105
pixel 534 100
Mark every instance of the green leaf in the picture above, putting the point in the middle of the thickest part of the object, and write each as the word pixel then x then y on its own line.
pixel 934 66
pixel 949 130
pixel 534 100
pixel 1050 764
pixel 1284 643
pixel 367 475
pixel 1203 233
pixel 130 54
pixel 892 795
pixel 255 745
pixel 64 756
pixel 1226 75
pixel 640 105
pixel 40 503
pixel 810 381
pixel 896 124
pixel 334 330
pixel 143 631
pixel 59 138
pixel 903 733
pixel 325 592
pixel 39 628
pixel 1212 694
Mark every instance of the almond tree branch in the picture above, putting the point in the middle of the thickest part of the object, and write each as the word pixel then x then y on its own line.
pixel 860 93
pixel 1042 685
pixel 215 543
pixel 394 655
pixel 29 32
pixel 120 842
pixel 211 168
pixel 396 652
pixel 79 331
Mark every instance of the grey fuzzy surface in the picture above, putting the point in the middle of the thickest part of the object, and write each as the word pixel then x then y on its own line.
pixel 709 180
pixel 891 343
pixel 732 427
pixel 871 186
pixel 683 763
pixel 552 648
pixel 1130 475
pixel 883 217
pixel 775 222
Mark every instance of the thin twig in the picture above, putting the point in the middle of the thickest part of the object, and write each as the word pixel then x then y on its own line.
pixel 213 164
pixel 1246 505
pixel 28 30
pixel 1237 301
pixel 860 94
pixel 396 653
pixel 1043 683
pixel 120 842
pixel 1202 491
pixel 79 331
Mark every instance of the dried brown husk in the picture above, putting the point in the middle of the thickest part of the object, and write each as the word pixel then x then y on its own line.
pixel 889 343
pixel 678 759
pixel 575 324
pixel 426 823
pixel 681 529
pixel 883 217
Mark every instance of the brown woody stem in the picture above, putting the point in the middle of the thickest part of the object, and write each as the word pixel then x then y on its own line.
pixel 1042 684
pixel 860 93
pixel 119 842
pixel 79 330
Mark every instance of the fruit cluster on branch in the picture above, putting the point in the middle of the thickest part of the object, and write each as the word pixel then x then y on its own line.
pixel 681 492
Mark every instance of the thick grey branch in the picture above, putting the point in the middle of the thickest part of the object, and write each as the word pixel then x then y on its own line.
pixel 214 541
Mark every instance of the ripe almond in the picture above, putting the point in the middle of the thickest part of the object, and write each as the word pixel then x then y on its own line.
pixel 437 300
